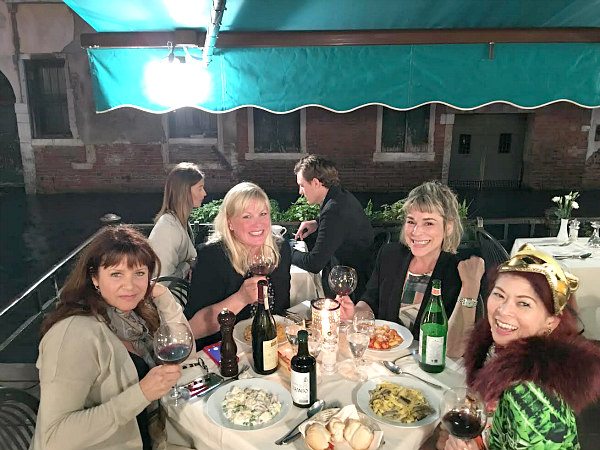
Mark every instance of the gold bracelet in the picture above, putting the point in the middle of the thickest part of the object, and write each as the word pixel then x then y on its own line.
pixel 468 302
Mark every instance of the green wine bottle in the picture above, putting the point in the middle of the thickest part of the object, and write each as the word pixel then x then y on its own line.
pixel 303 374
pixel 264 334
pixel 434 331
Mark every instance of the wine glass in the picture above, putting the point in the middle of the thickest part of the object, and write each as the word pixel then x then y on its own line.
pixel 262 262
pixel 358 343
pixel 315 341
pixel 463 413
pixel 343 280
pixel 173 343
pixel 293 324
pixel 364 322
pixel 594 241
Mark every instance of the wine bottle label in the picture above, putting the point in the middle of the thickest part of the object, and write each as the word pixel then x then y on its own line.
pixel 300 387
pixel 270 357
pixel 433 347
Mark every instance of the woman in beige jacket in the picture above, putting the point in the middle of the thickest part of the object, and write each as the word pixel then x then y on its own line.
pixel 98 379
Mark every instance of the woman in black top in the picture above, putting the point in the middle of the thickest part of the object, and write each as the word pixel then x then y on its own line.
pixel 221 278
pixel 400 285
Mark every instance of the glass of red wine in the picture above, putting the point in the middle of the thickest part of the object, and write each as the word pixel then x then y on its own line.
pixel 173 343
pixel 343 281
pixel 463 413
pixel 262 262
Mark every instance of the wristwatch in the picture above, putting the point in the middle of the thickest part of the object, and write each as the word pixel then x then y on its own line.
pixel 468 302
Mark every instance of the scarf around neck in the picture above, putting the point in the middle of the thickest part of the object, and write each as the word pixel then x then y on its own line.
pixel 130 327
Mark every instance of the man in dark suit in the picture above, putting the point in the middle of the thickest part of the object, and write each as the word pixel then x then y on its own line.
pixel 344 233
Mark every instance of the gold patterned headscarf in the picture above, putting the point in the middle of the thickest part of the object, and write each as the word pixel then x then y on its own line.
pixel 529 259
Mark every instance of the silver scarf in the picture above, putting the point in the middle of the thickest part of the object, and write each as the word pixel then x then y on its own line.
pixel 130 327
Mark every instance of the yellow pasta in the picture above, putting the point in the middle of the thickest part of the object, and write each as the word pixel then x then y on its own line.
pixel 396 402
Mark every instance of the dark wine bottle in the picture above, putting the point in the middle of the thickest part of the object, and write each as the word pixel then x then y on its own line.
pixel 304 374
pixel 434 331
pixel 264 334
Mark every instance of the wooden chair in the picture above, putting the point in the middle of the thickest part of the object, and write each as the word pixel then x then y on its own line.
pixel 18 413
pixel 179 287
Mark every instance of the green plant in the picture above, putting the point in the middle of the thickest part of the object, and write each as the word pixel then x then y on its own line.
pixel 300 210
pixel 276 213
pixel 207 212
pixel 565 204
pixel 393 212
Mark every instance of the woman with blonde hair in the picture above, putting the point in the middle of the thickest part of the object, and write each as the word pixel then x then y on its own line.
pixel 222 277
pixel 172 238
pixel 99 381
pixel 401 281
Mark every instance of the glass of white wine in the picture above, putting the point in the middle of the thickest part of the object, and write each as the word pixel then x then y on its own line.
pixel 358 343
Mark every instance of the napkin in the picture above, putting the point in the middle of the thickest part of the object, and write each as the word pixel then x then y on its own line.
pixel 351 412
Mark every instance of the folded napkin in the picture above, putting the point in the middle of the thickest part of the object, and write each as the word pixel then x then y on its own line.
pixel 349 412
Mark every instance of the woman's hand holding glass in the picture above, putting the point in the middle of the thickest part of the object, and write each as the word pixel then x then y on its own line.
pixel 248 291
pixel 346 307
pixel 159 381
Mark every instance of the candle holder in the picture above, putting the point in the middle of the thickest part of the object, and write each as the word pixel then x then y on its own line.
pixel 325 314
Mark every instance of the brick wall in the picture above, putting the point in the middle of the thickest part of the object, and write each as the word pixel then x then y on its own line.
pixel 555 156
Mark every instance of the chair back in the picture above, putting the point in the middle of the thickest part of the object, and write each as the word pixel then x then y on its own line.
pixel 18 413
pixel 492 252
pixel 179 287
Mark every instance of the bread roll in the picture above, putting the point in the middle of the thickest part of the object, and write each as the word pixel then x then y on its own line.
pixel 361 438
pixel 336 428
pixel 317 437
pixel 351 426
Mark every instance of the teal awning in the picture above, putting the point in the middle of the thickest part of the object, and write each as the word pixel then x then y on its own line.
pixel 344 78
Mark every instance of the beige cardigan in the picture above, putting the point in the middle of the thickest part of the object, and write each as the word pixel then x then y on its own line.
pixel 171 242
pixel 90 392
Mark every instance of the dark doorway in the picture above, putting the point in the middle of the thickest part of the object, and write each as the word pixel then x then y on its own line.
pixel 487 150
pixel 11 167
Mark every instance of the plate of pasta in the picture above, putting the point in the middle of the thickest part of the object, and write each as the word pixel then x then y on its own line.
pixel 242 333
pixel 389 337
pixel 399 401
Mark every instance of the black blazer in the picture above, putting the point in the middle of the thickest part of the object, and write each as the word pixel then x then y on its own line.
pixel 214 279
pixel 345 233
pixel 384 289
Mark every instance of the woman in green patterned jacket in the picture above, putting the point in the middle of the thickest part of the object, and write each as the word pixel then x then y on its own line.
pixel 527 360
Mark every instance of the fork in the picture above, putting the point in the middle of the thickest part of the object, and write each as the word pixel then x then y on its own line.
pixel 324 416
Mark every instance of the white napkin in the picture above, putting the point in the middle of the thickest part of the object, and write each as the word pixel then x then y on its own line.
pixel 343 414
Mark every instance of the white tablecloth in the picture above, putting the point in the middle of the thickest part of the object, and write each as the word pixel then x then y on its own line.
pixel 587 270
pixel 304 285
pixel 190 426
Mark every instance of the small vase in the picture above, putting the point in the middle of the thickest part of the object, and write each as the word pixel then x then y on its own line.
pixel 563 232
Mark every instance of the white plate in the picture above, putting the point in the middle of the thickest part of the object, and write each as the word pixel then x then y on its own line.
pixel 433 397
pixel 214 405
pixel 238 334
pixel 404 333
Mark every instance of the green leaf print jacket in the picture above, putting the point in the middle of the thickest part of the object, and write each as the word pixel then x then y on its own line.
pixel 537 385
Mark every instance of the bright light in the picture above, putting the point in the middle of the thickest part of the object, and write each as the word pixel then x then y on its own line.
pixel 176 84
pixel 188 13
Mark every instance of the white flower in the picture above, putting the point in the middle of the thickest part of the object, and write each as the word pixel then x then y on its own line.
pixel 575 205
pixel 556 199
pixel 568 197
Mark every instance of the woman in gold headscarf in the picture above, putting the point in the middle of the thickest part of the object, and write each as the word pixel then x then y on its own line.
pixel 527 360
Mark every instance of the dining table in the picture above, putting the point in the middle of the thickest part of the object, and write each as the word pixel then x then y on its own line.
pixel 303 285
pixel 190 426
pixel 583 262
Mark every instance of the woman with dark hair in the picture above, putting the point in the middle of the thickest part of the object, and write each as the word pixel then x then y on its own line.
pixel 527 360
pixel 172 238
pixel 98 378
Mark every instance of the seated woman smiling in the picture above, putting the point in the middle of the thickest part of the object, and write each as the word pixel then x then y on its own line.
pixel 98 376
pixel 527 361
pixel 222 277
pixel 401 281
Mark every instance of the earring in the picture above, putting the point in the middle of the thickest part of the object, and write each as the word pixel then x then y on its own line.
pixel 548 331
pixel 97 288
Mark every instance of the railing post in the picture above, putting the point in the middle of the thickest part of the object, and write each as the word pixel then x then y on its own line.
pixel 110 219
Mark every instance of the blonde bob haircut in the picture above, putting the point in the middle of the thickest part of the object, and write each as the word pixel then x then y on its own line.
pixel 434 197
pixel 177 198
pixel 234 203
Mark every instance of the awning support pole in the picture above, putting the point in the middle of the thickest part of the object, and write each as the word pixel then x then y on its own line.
pixel 216 16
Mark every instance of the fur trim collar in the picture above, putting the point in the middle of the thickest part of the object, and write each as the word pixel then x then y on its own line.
pixel 566 366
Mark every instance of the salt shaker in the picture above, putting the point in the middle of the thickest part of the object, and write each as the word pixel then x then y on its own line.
pixel 229 365
pixel 574 230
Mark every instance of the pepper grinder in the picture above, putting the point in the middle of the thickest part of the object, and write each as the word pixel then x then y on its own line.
pixel 229 365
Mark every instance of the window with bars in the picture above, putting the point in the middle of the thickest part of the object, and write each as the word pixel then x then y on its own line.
pixel 464 144
pixel 504 142
pixel 276 133
pixel 47 95
pixel 192 123
pixel 405 131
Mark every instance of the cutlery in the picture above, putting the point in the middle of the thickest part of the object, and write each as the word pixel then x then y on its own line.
pixel 398 371
pixel 553 244
pixel 581 256
pixel 211 381
pixel 331 410
pixel 312 410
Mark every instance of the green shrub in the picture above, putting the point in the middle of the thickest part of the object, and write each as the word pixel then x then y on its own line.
pixel 207 212
pixel 300 210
